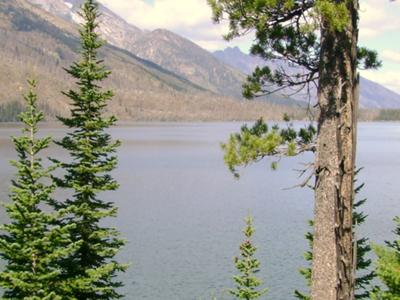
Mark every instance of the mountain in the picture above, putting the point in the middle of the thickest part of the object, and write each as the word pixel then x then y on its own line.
pixel 36 43
pixel 239 60
pixel 165 48
pixel 372 94
pixel 115 29
pixel 187 59
pixel 222 72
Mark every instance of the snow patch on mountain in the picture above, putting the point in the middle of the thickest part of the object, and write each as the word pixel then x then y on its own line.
pixel 70 5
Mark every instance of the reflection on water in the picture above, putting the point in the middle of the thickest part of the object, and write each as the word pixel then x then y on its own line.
pixel 182 211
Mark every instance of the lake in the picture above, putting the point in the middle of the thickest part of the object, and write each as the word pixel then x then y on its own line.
pixel 182 211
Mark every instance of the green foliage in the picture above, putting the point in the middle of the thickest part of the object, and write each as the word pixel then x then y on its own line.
pixel 247 283
pixel 388 269
pixel 306 272
pixel 334 12
pixel 364 276
pixel 368 59
pixel 286 30
pixel 253 144
pixel 93 157
pixel 33 243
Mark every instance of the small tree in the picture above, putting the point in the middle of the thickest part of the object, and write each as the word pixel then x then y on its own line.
pixel 92 268
pixel 247 283
pixel 364 278
pixel 388 269
pixel 306 272
pixel 32 244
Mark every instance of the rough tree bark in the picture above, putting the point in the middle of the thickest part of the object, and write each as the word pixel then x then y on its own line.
pixel 332 269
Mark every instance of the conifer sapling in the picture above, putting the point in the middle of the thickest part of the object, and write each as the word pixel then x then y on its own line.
pixel 388 268
pixel 33 243
pixel 246 282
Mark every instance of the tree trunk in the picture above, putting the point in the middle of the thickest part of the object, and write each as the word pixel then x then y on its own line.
pixel 332 269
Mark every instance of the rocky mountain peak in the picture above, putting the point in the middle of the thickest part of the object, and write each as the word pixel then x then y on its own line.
pixel 58 7
pixel 115 29
pixel 233 50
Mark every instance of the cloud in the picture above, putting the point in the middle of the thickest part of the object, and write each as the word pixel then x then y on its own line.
pixel 378 17
pixel 190 18
pixel 391 55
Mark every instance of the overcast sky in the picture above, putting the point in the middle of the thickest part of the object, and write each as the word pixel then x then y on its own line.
pixel 379 28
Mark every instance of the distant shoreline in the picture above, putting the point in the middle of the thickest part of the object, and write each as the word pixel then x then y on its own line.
pixel 55 124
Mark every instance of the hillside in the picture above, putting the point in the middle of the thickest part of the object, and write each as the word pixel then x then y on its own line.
pixel 222 72
pixel 239 60
pixel 187 59
pixel 117 31
pixel 36 43
pixel 163 47
pixel 372 94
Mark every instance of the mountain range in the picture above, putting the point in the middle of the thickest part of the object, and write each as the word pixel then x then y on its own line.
pixel 372 94
pixel 163 47
pixel 34 42
pixel 158 75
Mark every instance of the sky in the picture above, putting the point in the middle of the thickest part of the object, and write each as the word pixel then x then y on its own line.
pixel 379 28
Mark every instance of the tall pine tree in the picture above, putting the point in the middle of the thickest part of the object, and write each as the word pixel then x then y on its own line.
pixel 92 268
pixel 317 40
pixel 32 244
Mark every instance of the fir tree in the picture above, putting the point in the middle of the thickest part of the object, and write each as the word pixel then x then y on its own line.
pixel 363 281
pixel 92 268
pixel 388 268
pixel 32 244
pixel 247 283
pixel 364 277
pixel 306 272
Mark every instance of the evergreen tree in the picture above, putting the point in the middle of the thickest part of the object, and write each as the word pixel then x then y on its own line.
pixel 306 272
pixel 365 276
pixel 388 268
pixel 247 283
pixel 92 268
pixel 33 244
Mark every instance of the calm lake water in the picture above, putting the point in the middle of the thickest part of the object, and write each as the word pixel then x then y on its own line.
pixel 182 211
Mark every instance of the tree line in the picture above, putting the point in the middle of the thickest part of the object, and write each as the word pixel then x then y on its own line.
pixel 60 249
